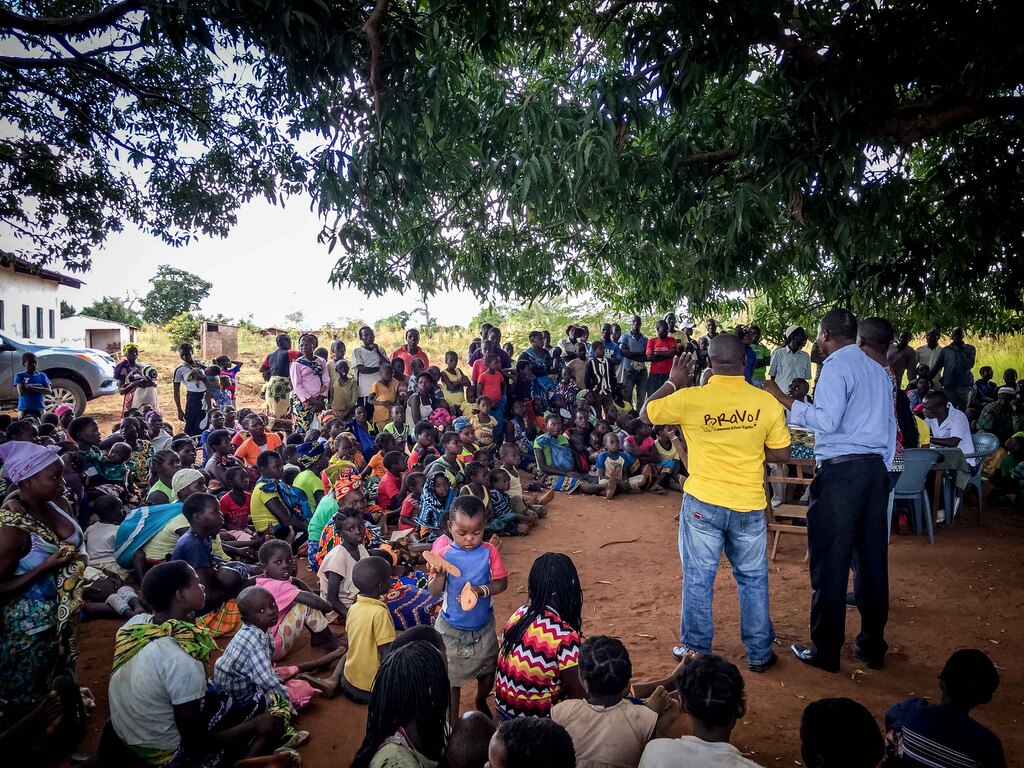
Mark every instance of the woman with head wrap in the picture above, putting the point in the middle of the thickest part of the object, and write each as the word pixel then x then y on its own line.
pixel 40 582
pixel 134 380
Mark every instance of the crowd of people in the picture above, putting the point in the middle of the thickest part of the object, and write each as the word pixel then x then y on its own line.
pixel 366 505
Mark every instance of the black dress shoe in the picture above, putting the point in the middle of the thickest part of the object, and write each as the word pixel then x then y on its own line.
pixel 872 662
pixel 764 666
pixel 810 657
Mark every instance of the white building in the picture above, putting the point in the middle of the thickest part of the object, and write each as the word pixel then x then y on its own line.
pixel 29 300
pixel 92 332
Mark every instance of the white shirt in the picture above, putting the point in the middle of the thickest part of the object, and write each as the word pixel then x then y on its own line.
pixel 368 357
pixel 144 692
pixel 787 365
pixel 955 425
pixel 189 375
pixel 691 752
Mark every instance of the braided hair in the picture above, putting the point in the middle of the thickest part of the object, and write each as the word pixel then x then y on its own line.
pixel 411 686
pixel 536 742
pixel 159 458
pixel 553 583
pixel 711 689
pixel 605 666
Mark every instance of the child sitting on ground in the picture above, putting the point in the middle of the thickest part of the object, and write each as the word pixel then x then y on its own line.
pixel 531 741
pixel 423 452
pixel 615 470
pixel 390 492
pixel 412 490
pixel 335 571
pixel 511 461
pixel 297 605
pixel 484 425
pixel 712 693
pixel 449 460
pixel 467 617
pixel 921 733
pixel 476 485
pixel 245 672
pixel 504 521
pixel 606 728
pixel 556 461
pixel 235 505
pixel 669 451
pixel 195 547
pixel 841 733
pixel 399 428
pixel 467 439
pixel 436 498
pixel 370 631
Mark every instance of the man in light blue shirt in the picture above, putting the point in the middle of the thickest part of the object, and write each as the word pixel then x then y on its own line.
pixel 854 427
pixel 633 347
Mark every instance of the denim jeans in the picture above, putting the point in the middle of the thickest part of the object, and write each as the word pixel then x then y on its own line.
pixel 704 531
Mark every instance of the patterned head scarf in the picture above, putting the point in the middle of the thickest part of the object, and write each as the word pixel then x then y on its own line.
pixel 309 454
pixel 348 480
pixel 22 460
pixel 460 423
pixel 129 347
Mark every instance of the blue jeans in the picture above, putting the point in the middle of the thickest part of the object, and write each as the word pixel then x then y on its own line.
pixel 704 531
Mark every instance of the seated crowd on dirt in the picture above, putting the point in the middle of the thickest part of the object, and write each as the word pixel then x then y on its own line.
pixel 367 506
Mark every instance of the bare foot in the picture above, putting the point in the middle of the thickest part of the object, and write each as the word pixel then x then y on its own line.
pixel 327 687
pixel 324 638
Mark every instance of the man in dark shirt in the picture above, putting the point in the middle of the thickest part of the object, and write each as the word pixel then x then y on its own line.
pixel 941 735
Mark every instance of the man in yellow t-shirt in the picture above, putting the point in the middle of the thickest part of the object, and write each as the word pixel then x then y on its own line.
pixel 731 429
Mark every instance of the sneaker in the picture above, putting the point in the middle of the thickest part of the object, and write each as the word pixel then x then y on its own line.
pixel 118 602
pixel 764 666
pixel 682 653
pixel 298 739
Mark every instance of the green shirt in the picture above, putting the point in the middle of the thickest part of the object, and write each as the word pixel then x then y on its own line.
pixel 309 483
pixel 325 510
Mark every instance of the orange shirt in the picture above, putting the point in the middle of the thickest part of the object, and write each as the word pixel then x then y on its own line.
pixel 248 451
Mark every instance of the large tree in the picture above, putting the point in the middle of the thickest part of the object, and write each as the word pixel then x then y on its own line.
pixel 647 151
pixel 174 292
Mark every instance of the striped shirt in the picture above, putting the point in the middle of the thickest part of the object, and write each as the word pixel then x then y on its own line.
pixel 529 678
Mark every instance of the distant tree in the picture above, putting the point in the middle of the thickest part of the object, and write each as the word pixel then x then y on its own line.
pixel 67 310
pixel 295 318
pixel 183 328
pixel 174 291
pixel 114 309
pixel 395 322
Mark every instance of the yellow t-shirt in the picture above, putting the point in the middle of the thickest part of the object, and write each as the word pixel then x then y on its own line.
pixel 383 393
pixel 262 518
pixel 924 435
pixel 161 545
pixel 368 626
pixel 726 424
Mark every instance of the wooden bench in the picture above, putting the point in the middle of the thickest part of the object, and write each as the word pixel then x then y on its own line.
pixel 784 518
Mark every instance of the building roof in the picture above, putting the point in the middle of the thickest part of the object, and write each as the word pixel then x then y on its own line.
pixel 99 322
pixel 25 267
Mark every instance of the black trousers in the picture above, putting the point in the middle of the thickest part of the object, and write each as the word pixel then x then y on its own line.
pixel 846 527
pixel 195 414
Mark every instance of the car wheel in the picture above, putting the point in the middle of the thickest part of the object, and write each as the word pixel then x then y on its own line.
pixel 66 392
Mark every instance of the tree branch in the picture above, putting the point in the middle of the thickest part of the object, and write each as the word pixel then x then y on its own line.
pixel 372 31
pixel 797 48
pixel 71 25
pixel 927 120
pixel 710 158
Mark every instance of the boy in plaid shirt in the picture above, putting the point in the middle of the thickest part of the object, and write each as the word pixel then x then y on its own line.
pixel 245 671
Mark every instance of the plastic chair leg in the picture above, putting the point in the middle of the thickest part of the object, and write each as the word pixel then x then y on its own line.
pixel 927 514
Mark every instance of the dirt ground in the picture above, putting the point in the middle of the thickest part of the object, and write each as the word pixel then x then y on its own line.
pixel 965 591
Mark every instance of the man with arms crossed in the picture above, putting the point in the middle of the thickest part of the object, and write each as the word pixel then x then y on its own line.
pixel 854 428
pixel 731 429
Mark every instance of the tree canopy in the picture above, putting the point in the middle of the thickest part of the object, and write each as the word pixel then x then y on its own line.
pixel 114 309
pixel 644 151
pixel 174 292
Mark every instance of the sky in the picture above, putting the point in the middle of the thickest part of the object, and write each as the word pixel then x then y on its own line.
pixel 269 266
